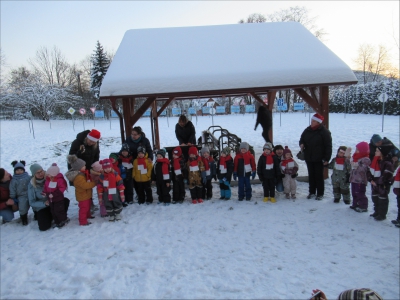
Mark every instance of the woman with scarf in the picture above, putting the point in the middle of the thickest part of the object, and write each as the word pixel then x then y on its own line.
pixel 138 139
pixel 316 142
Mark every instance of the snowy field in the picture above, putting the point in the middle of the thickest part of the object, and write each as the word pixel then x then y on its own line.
pixel 216 250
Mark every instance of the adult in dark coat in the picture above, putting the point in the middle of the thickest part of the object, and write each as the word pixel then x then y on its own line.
pixel 86 147
pixel 185 132
pixel 378 141
pixel 138 139
pixel 264 117
pixel 316 142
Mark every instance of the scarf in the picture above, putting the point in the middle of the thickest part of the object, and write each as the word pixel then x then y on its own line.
pixel 110 184
pixel 18 176
pixel 269 160
pixel 177 166
pixel 164 167
pixel 222 163
pixel 194 164
pixel 375 168
pixel 206 162
pixel 126 161
pixel 289 163
pixel 88 176
pixel 358 156
pixel 339 163
pixel 142 165
pixel 396 183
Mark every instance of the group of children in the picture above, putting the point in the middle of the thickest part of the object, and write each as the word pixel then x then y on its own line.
pixel 115 178
pixel 355 171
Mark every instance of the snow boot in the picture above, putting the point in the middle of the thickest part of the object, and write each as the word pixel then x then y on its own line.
pixel 293 196
pixel 310 196
pixel 200 200
pixel 273 200
pixel 287 196
pixel 194 201
pixel 118 217
pixel 336 200
pixel 24 219
pixel 111 218
pixel 266 199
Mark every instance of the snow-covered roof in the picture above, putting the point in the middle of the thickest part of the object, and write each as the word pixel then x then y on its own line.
pixel 221 57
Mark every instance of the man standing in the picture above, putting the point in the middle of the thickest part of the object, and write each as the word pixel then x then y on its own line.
pixel 86 147
pixel 316 142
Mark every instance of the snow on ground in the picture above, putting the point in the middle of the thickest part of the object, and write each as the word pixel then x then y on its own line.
pixel 219 249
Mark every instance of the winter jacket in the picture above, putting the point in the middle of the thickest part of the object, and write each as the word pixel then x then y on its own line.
pixel 396 183
pixel 157 174
pixel 264 117
pixel 183 168
pixel 212 171
pixel 385 180
pixel 142 142
pixel 137 174
pixel 340 175
pixel 4 194
pixel 101 190
pixel 19 187
pixel 290 168
pixel 317 144
pixel 264 173
pixel 238 165
pixel 58 190
pixel 90 153
pixel 194 177
pixel 360 171
pixel 35 194
pixel 83 188
pixel 229 170
pixel 186 134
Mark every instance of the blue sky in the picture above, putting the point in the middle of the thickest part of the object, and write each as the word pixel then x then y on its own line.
pixel 75 26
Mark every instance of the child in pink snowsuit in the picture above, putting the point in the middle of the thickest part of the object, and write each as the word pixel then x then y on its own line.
pixel 54 188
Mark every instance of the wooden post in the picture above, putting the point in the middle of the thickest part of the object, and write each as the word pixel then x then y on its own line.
pixel 156 130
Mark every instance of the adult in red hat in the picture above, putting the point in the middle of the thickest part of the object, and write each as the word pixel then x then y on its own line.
pixel 316 143
pixel 86 147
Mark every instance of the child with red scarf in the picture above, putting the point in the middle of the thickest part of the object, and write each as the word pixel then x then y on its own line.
pixel 359 177
pixel 381 179
pixel 115 162
pixel 268 171
pixel 95 172
pixel 224 173
pixel 196 175
pixel 161 177
pixel 340 176
pixel 179 172
pixel 83 187
pixel 54 188
pixel 244 166
pixel 141 174
pixel 110 190
pixel 210 169
pixel 126 159
pixel 396 191
pixel 289 168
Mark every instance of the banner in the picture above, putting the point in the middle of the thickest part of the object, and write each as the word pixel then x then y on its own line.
pixel 205 110
pixel 176 111
pixel 192 111
pixel 99 114
pixel 220 109
pixel 114 114
pixel 250 108
pixel 235 109
pixel 298 106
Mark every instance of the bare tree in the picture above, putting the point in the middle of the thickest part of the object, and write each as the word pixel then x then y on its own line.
pixel 364 60
pixel 254 18
pixel 53 68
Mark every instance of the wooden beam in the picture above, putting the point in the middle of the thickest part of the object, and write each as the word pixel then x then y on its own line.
pixel 308 99
pixel 271 100
pixel 156 137
pixel 141 110
pixel 324 102
pixel 313 93
pixel 121 119
pixel 165 106
pixel 127 111
pixel 258 99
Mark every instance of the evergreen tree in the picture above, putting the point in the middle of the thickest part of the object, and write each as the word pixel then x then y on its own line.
pixel 100 64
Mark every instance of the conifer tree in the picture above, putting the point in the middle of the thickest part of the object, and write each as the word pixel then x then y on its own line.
pixel 100 64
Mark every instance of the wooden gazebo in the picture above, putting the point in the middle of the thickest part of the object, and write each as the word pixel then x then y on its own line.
pixel 166 64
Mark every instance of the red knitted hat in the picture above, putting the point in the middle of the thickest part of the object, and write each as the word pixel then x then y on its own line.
pixel 106 163
pixel 94 135
pixel 177 151
pixel 363 147
pixel 193 150
pixel 318 118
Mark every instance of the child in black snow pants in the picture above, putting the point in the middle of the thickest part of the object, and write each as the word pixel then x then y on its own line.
pixel 268 171
pixel 161 178
pixel 209 167
pixel 224 173
pixel 179 172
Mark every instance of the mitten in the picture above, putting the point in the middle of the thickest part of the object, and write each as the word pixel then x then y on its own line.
pixel 203 177
pixel 294 175
pixel 122 195
pixel 283 175
pixel 348 152
pixel 253 175
pixel 234 176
